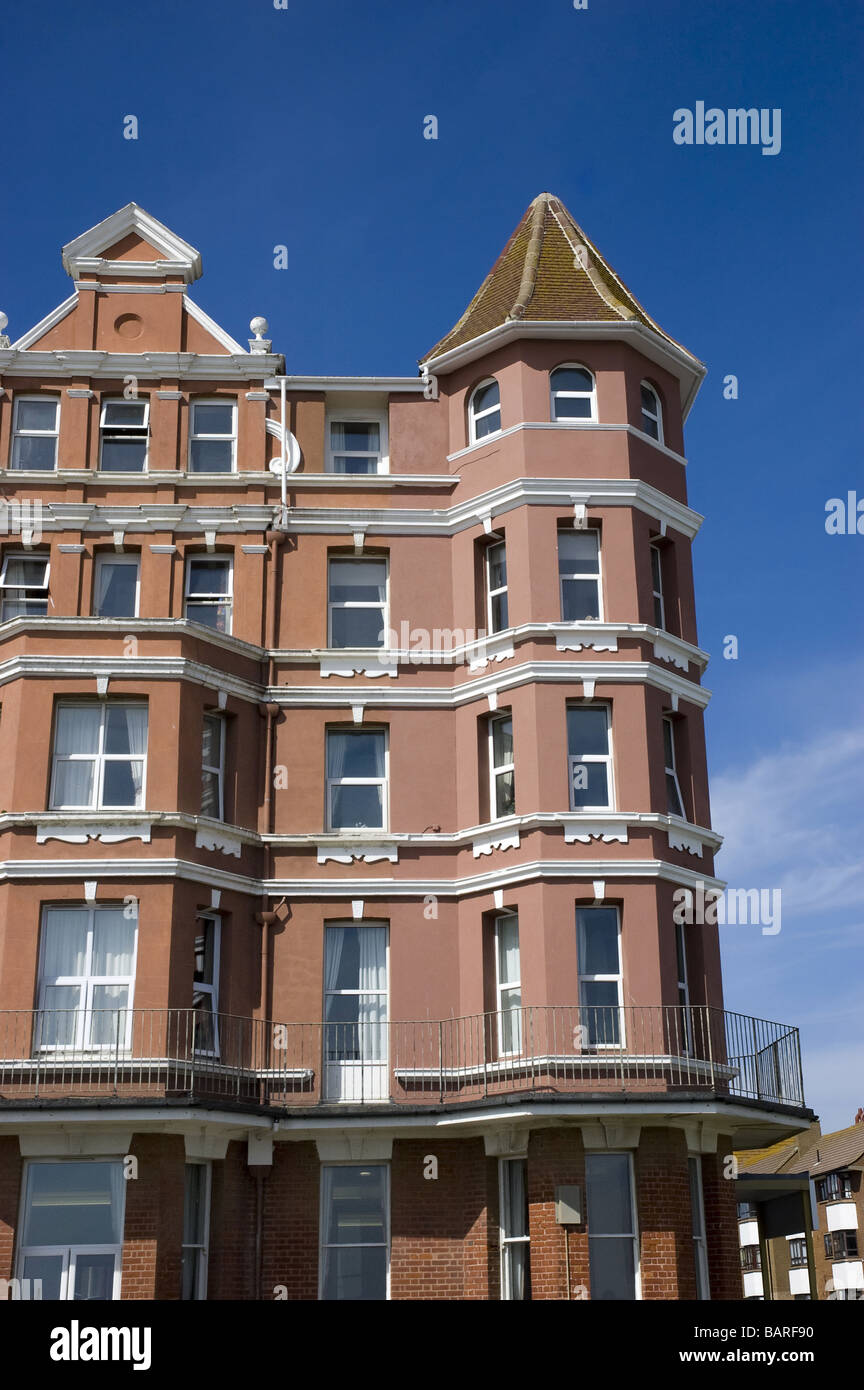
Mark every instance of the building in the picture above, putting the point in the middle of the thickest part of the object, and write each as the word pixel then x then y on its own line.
pixel 348 801
pixel 818 1253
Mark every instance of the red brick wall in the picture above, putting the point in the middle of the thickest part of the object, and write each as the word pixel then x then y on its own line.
pixel 153 1231
pixel 231 1271
pixel 555 1157
pixel 721 1225
pixel 665 1228
pixel 291 1196
pixel 441 1228
pixel 10 1195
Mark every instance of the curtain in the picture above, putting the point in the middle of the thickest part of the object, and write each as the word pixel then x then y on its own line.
pixel 134 724
pixel 508 950
pixel 113 943
pixel 77 730
pixel 334 946
pixel 64 943
pixel 373 1005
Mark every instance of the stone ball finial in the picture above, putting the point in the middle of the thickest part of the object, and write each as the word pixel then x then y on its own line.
pixel 259 327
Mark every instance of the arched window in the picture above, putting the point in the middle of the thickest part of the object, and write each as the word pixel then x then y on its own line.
pixel 574 395
pixel 652 413
pixel 484 410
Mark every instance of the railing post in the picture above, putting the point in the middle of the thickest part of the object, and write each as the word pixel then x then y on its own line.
pixel 711 1043
pixel 116 1051
pixel 440 1061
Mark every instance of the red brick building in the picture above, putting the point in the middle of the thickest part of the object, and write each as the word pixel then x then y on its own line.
pixel 351 768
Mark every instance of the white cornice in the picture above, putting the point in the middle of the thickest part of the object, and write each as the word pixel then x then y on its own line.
pixel 675 359
pixel 377 384
pixel 88 667
pixel 464 515
pixel 508 875
pixel 179 518
pixel 560 428
pixel 78 362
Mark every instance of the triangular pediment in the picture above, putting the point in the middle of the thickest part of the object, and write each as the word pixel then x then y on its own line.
pixel 131 242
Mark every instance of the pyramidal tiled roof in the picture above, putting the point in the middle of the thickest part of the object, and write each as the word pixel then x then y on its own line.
pixel 811 1152
pixel 549 271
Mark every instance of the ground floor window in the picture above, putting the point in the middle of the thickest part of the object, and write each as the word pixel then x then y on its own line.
pixel 612 1240
pixel 196 1230
pixel 355 1231
pixel 697 1217
pixel 72 1229
pixel 515 1282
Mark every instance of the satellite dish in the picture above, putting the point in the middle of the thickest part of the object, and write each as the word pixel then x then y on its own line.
pixel 293 451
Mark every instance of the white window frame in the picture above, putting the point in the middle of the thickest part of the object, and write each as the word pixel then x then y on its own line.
pixel 501 769
pixel 474 415
pixel 623 1235
pixel 214 920
pixel 196 434
pixel 509 1243
pixel 358 417
pixel 108 558
pixel 383 606
pixel 134 431
pixel 656 416
pixel 86 983
pixel 700 1235
pixel 216 770
pixel 580 574
pixel 669 726
pixel 18 433
pixel 323 1244
pixel 574 760
pixel 590 396
pixel 683 982
pixel 657 586
pixel 69 1253
pixel 507 987
pixel 212 598
pixel 383 782
pixel 100 758
pixel 501 589
pixel 201 1249
pixel 28 592
pixel 616 979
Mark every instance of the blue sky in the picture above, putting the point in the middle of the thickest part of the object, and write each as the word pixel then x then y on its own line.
pixel 303 127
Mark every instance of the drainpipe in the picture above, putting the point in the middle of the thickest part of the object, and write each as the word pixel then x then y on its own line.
pixel 259 1230
pixel 275 539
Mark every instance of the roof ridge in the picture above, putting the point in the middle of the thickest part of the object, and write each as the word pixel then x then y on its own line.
pixel 532 256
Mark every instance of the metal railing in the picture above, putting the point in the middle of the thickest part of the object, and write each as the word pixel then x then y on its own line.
pixel 129 1054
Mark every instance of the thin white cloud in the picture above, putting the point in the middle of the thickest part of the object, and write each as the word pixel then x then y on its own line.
pixel 794 820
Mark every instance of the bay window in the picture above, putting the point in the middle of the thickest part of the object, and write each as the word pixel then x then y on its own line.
pixel 589 757
pixel 355 1012
pixel 579 575
pixel 484 411
pixel 72 1229
pixel 497 607
pixel 100 755
pixel 598 932
pixel 213 767
pixel 574 395
pixel 515 1240
pixel 355 1232
pixel 613 1254
pixel 357 602
pixel 205 984
pixel 86 978
pixel 501 767
pixel 356 779
pixel 508 984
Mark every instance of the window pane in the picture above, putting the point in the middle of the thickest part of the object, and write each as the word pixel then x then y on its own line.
pixel 25 571
pixel 74 783
pixel 613 1275
pixel 610 1209
pixel 212 741
pixel 127 414
pixel 359 1274
pixel 580 600
pixel 34 452
pixel 587 730
pixel 486 397
pixel 354 463
pixel 208 577
pixel 36 415
pixel 354 436
pixel 507 932
pixel 125 729
pixel 516 1207
pixel 598 940
pixel 213 419
pixel 649 400
pixel 571 379
pixel 502 741
pixel 94 1277
pixel 511 1021
pixel 500 613
pixel 215 615
pixel 116 587
pixel 113 942
pixel 578 552
pixel 77 729
pixel 505 794
pixel 673 800
pixel 123 455
pixel 668 743
pixel 357 581
pixel 355 1205
pixel 356 627
pixel 123 782
pixel 497 559
pixel 600 1012
pixel 357 808
pixel 572 408
pixel 108 1019
pixel 58 1022
pixel 205 947
pixel 589 784
pixel 49 1269
pixel 211 456
pixel 72 1204
pixel 355 755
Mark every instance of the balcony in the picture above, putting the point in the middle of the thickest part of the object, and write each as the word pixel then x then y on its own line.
pixel 140 1055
